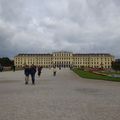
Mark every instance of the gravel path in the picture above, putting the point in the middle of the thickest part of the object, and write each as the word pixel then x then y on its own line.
pixel 64 97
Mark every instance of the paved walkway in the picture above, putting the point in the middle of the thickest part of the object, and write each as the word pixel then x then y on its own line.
pixel 64 97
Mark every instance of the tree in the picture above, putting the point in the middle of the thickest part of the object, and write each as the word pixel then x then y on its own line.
pixel 116 65
pixel 5 61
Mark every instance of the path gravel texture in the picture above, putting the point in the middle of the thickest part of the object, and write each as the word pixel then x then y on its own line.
pixel 63 97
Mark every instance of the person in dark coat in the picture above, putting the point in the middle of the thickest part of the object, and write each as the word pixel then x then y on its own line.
pixel 1 68
pixel 39 70
pixel 32 72
pixel 54 71
pixel 26 72
pixel 13 68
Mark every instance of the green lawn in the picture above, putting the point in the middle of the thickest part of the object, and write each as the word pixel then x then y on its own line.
pixel 89 75
pixel 110 73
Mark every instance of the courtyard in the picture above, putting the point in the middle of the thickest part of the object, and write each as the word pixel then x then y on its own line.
pixel 63 97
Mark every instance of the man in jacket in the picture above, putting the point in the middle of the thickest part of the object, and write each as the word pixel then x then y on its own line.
pixel 26 72
pixel 32 72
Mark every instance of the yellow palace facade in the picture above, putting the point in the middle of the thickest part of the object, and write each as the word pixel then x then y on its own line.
pixel 65 59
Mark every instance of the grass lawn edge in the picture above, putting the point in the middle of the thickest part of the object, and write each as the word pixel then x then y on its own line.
pixel 90 75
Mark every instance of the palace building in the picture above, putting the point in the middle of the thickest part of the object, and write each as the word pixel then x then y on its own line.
pixel 65 59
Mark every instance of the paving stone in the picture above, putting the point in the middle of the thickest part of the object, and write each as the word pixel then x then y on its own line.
pixel 63 97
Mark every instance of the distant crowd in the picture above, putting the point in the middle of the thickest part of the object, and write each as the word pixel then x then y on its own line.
pixel 31 71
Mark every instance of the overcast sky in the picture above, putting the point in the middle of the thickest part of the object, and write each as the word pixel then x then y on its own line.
pixel 45 26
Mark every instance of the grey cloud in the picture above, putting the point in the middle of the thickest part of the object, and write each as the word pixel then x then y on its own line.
pixel 11 10
pixel 46 26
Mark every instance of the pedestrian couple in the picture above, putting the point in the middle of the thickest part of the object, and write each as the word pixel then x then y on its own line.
pixel 31 71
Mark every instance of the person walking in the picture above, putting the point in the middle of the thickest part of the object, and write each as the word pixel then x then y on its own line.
pixel 32 72
pixel 13 67
pixel 54 71
pixel 26 72
pixel 39 70
pixel 1 68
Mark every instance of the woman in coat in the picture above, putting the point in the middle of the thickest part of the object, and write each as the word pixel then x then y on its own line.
pixel 39 70
pixel 26 72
